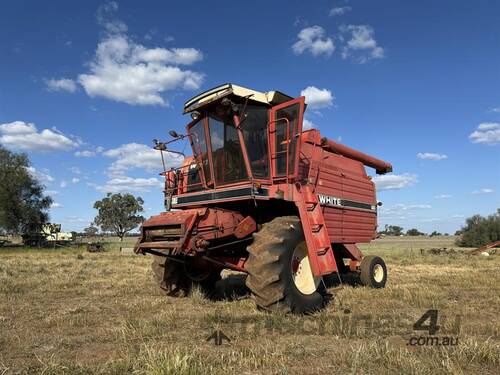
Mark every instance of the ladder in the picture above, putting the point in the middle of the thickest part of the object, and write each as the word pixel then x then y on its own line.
pixel 319 247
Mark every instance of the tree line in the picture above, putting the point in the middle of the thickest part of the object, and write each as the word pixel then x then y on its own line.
pixel 24 209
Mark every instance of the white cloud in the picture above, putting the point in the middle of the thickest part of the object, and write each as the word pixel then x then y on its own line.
pixel 306 124
pixel 106 18
pixel 313 39
pixel 25 136
pixel 56 205
pixel 458 216
pixel 317 98
pixel 63 184
pixel 431 156
pixel 75 180
pixel 495 110
pixel 51 192
pixel 430 220
pixel 125 71
pixel 483 191
pixel 62 84
pixel 394 181
pixel 487 132
pixel 135 155
pixel 338 11
pixel 128 184
pixel 42 177
pixel 361 46
pixel 401 210
pixel 75 170
pixel 84 154
pixel 442 196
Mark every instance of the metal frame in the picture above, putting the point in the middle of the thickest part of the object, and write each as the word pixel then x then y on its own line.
pixel 288 177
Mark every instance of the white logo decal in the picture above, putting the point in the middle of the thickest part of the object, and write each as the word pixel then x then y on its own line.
pixel 326 200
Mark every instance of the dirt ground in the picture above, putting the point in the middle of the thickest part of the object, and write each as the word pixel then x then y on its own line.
pixel 69 311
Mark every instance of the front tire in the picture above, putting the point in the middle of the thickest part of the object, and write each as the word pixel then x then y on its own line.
pixel 177 280
pixel 279 273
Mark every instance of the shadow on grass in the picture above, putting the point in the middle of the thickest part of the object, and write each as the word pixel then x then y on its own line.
pixel 231 288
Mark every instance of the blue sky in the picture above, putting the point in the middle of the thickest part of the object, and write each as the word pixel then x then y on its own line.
pixel 86 86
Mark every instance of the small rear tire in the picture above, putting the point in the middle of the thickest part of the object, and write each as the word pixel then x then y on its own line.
pixel 373 272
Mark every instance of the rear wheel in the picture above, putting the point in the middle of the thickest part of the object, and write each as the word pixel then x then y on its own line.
pixel 177 279
pixel 373 272
pixel 279 273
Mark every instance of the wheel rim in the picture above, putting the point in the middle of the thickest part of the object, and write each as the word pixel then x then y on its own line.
pixel 378 273
pixel 302 275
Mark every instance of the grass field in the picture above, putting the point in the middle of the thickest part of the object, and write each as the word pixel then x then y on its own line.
pixel 69 311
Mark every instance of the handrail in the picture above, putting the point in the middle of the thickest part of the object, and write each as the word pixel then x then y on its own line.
pixel 287 143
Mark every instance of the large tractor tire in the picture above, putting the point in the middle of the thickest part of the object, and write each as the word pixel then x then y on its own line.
pixel 177 280
pixel 279 273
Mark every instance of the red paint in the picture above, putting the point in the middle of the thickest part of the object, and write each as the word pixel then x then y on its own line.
pixel 211 215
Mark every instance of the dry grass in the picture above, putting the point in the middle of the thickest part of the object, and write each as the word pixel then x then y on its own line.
pixel 102 313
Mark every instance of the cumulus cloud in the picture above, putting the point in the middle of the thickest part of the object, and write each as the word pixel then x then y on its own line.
pixel 56 205
pixel 25 136
pixel 317 98
pixel 487 133
pixel 136 155
pixel 128 184
pixel 125 71
pixel 42 177
pixel 360 45
pixel 338 11
pixel 62 84
pixel 483 191
pixel 313 40
pixel 306 124
pixel 394 181
pixel 85 154
pixel 431 156
pixel 75 180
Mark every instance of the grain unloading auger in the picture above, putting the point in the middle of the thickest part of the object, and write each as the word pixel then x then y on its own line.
pixel 262 196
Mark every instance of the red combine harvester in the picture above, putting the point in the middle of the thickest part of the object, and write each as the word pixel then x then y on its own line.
pixel 264 197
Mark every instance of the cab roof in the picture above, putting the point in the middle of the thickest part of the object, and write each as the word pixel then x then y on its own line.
pixel 270 98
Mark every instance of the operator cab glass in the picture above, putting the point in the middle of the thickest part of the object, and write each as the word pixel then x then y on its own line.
pixel 254 128
pixel 227 156
pixel 220 152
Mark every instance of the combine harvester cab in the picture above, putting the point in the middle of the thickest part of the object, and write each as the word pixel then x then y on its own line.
pixel 261 196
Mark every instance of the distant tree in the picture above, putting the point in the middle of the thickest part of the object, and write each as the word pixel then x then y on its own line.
pixel 90 230
pixel 414 232
pixel 23 205
pixel 479 230
pixel 392 230
pixel 436 233
pixel 458 232
pixel 118 213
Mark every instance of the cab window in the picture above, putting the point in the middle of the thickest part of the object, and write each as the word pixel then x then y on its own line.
pixel 227 156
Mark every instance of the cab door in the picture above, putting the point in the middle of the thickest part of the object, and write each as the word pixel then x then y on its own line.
pixel 285 127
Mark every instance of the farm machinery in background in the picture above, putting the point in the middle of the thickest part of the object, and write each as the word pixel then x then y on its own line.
pixel 262 196
pixel 50 235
